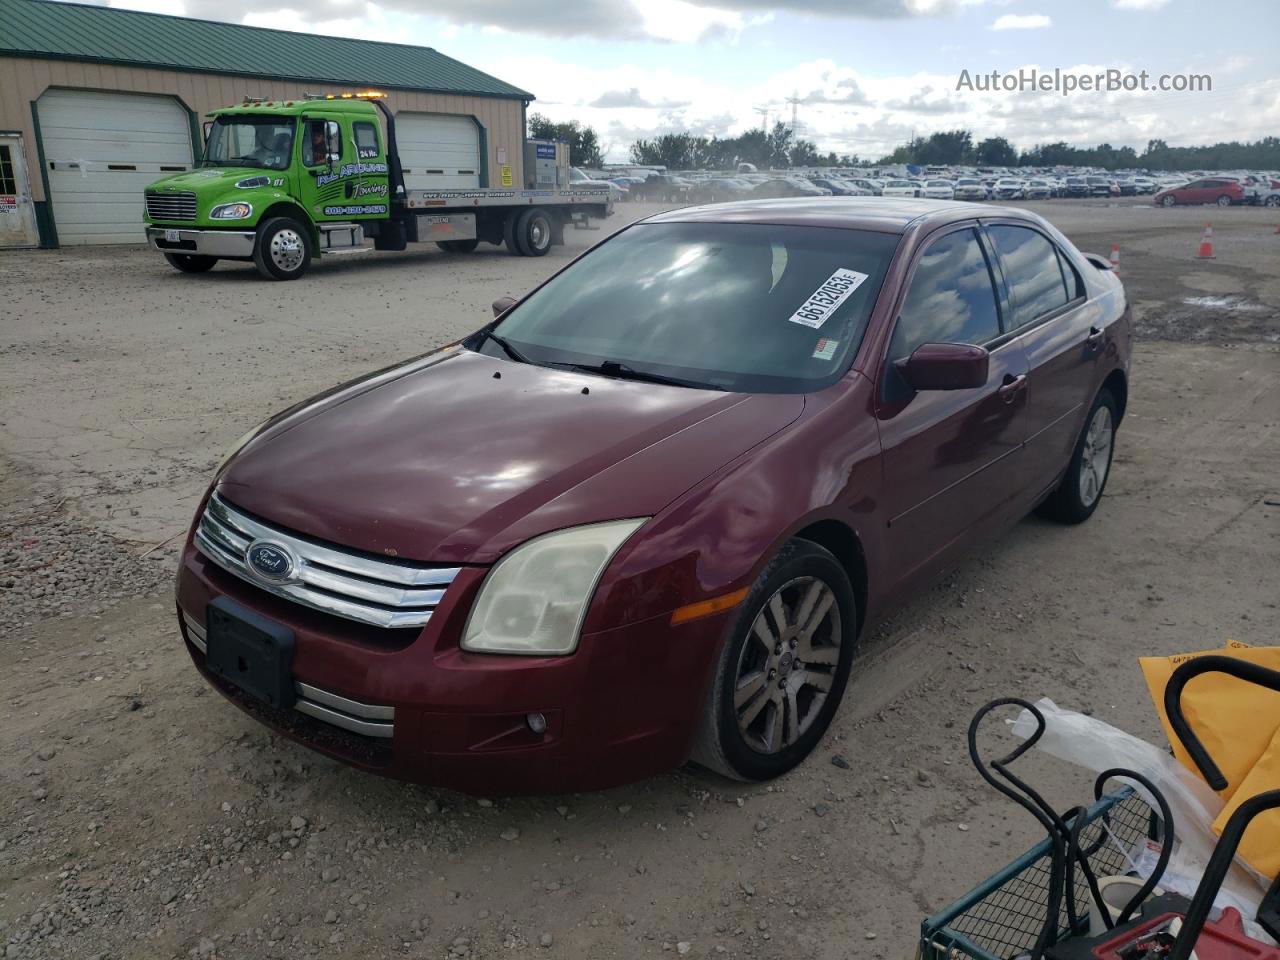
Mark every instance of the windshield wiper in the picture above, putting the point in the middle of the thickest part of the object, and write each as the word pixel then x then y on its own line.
pixel 488 334
pixel 621 371
pixel 247 162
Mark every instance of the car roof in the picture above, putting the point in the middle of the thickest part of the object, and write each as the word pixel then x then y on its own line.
pixel 882 214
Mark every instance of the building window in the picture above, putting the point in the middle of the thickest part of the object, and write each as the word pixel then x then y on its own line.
pixel 8 182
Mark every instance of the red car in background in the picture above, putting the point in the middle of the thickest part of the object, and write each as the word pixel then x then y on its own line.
pixel 647 512
pixel 1224 191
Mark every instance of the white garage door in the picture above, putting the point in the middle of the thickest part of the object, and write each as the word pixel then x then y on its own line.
pixel 438 150
pixel 101 150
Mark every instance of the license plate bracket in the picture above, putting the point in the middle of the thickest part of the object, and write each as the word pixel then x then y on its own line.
pixel 250 652
pixel 172 236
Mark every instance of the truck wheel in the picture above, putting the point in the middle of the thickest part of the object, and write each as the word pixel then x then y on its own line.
pixel 457 246
pixel 190 263
pixel 533 232
pixel 283 250
pixel 510 236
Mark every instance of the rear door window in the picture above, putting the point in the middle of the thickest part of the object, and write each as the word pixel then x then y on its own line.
pixel 1031 270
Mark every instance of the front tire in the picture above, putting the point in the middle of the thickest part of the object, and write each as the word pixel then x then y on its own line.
pixel 1168 201
pixel 783 669
pixel 1224 201
pixel 283 249
pixel 1080 491
pixel 533 232
pixel 190 262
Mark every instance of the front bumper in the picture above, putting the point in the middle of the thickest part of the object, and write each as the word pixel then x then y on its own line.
pixel 225 244
pixel 412 705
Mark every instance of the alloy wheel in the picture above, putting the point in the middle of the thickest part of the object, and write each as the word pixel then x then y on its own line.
pixel 787 666
pixel 1095 457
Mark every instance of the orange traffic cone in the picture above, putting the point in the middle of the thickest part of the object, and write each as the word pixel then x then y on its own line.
pixel 1115 259
pixel 1206 243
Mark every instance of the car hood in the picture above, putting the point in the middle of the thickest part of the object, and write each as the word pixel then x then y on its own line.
pixel 458 457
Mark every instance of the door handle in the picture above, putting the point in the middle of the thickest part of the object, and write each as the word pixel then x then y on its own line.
pixel 1012 386
pixel 1094 340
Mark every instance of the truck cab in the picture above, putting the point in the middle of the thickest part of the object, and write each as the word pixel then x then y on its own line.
pixel 289 170
pixel 285 181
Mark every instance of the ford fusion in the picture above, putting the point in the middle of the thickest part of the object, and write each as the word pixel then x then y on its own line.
pixel 644 515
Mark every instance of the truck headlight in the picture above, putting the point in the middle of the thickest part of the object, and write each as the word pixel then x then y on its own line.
pixel 534 600
pixel 231 211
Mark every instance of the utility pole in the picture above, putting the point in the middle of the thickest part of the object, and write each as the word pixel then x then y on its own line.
pixel 764 117
pixel 795 101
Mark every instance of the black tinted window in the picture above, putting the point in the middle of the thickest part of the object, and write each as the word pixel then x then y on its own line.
pixel 1030 264
pixel 951 299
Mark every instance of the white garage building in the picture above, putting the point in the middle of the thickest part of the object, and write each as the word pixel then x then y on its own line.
pixel 96 103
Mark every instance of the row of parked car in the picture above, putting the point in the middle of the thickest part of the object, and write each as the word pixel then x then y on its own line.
pixel 1167 191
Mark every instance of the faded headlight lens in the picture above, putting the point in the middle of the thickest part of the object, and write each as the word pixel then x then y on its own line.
pixel 534 601
pixel 231 211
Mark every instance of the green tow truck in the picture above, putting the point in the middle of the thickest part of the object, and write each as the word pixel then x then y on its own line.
pixel 283 182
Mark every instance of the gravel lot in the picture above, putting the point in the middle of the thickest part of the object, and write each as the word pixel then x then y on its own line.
pixel 143 816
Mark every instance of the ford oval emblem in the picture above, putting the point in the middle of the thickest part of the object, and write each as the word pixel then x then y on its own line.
pixel 269 561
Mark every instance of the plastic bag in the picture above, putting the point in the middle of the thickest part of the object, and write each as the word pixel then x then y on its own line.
pixel 1097 746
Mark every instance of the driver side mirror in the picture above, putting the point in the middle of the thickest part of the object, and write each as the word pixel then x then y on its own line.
pixel 502 305
pixel 946 366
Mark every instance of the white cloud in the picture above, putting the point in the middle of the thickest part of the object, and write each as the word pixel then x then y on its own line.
pixel 1022 21
pixel 1140 4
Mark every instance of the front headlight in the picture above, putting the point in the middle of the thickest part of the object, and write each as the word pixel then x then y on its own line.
pixel 231 211
pixel 534 601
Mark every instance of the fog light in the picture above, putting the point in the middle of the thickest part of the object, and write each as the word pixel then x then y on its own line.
pixel 537 723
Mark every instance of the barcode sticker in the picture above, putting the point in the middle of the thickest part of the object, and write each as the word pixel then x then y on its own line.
pixel 827 298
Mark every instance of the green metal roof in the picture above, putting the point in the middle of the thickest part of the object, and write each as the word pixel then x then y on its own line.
pixel 74 31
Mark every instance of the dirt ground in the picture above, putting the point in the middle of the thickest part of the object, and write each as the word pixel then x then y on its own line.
pixel 143 816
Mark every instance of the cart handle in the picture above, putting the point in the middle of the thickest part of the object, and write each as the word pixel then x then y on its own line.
pixel 1220 862
pixel 1241 669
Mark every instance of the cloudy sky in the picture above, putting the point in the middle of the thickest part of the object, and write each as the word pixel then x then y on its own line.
pixel 868 73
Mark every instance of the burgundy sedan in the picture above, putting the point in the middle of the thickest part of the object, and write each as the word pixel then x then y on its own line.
pixel 645 514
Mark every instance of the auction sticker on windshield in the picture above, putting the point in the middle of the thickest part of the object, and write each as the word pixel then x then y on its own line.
pixel 824 301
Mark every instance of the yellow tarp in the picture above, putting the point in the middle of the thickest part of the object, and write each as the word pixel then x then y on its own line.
pixel 1239 724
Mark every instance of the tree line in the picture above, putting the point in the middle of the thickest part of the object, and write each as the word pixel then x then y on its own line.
pixel 780 148
pixel 956 148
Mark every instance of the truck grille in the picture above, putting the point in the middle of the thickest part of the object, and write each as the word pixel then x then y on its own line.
pixel 344 583
pixel 171 206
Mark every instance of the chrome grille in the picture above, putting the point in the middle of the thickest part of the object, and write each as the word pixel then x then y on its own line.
pixel 347 584
pixel 171 206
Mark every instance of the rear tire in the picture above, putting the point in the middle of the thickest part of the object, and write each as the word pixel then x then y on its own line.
pixel 778 684
pixel 1224 201
pixel 190 262
pixel 458 246
pixel 1080 491
pixel 533 232
pixel 283 249
pixel 511 236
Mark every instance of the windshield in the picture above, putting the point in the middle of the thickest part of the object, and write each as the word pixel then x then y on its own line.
pixel 250 141
pixel 744 307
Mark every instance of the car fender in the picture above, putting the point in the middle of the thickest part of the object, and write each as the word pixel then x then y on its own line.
pixel 716 538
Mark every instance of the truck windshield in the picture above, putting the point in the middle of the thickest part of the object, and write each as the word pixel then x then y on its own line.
pixel 729 306
pixel 250 142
